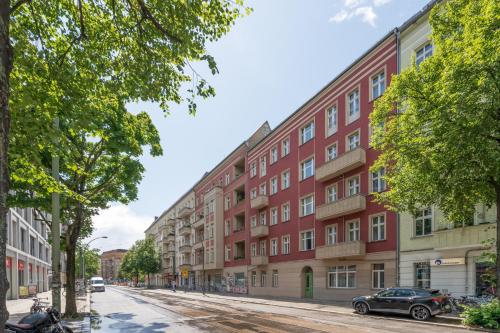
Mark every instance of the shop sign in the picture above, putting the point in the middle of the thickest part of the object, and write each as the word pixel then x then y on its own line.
pixel 185 273
pixel 23 291
pixel 448 261
pixel 32 289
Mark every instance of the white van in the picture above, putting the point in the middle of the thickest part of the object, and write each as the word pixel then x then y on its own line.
pixel 97 284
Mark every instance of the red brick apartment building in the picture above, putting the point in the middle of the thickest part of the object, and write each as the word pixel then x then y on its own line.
pixel 290 212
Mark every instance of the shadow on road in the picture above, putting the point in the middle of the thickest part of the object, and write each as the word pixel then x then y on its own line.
pixel 121 322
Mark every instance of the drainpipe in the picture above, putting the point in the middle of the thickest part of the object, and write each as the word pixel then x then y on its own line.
pixel 398 245
pixel 467 267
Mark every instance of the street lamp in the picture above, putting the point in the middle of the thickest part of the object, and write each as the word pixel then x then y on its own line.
pixel 83 258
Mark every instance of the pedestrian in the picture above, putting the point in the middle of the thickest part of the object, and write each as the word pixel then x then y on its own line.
pixel 173 286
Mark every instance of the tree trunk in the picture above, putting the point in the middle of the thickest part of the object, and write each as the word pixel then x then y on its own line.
pixel 497 190
pixel 5 69
pixel 70 310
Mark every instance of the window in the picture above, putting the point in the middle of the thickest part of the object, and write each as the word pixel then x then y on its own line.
pixel 275 278
pixel 306 240
pixel 274 216
pixel 274 247
pixel 263 278
pixel 228 179
pixel 285 180
pixel 353 186
pixel 253 250
pixel 253 193
pixel 307 205
pixel 227 203
pixel 307 133
pixel 422 275
pixel 262 247
pixel 254 278
pixel 423 53
pixel 285 147
pixel 378 276
pixel 353 231
pixel 253 169
pixel 331 194
pixel 285 212
pixel 331 120
pixel 262 218
pixel 262 166
pixel 353 141
pixel 378 85
pixel 378 181
pixel 378 227
pixel 262 189
pixel 273 155
pixel 307 168
pixel 331 152
pixel 253 221
pixel 342 277
pixel 423 222
pixel 285 244
pixel 331 235
pixel 228 253
pixel 274 185
pixel 353 106
pixel 228 228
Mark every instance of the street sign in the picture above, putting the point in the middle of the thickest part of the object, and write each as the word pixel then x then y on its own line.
pixel 448 261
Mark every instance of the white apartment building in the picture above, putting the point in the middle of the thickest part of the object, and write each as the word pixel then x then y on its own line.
pixel 28 258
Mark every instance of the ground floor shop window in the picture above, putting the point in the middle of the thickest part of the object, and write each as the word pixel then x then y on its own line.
pixel 485 277
pixel 378 276
pixel 254 278
pixel 342 277
pixel 263 278
pixel 422 275
pixel 275 278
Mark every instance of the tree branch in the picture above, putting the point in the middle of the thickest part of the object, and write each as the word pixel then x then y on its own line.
pixel 17 5
pixel 149 16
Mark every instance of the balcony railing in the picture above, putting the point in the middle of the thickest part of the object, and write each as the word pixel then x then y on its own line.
pixel 171 222
pixel 345 206
pixel 341 250
pixel 169 238
pixel 259 260
pixel 185 212
pixel 259 202
pixel 185 230
pixel 342 164
pixel 259 231
pixel 199 223
pixel 186 248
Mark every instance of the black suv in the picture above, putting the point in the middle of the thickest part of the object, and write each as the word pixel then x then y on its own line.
pixel 421 304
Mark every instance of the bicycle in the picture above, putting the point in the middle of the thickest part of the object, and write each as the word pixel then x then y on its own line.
pixel 38 305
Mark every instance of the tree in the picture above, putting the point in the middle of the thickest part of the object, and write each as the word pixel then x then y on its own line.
pixel 129 266
pixel 443 146
pixel 148 257
pixel 92 262
pixel 144 49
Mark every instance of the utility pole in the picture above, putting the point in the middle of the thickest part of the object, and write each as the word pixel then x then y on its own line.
pixel 55 230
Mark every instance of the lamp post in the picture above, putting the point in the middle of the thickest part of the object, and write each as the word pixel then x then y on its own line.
pixel 83 259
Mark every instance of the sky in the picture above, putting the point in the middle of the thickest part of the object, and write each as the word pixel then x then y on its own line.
pixel 270 63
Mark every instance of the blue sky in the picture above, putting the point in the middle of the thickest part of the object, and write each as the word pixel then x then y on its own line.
pixel 270 63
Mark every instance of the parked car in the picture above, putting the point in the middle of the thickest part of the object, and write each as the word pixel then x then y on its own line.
pixel 421 304
pixel 97 284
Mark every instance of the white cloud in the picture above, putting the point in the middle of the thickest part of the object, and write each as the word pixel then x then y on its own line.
pixel 122 226
pixel 359 8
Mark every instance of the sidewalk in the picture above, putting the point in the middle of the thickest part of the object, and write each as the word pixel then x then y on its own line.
pixel 336 307
pixel 18 308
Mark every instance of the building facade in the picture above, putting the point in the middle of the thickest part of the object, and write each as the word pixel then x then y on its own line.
pixel 28 259
pixel 110 263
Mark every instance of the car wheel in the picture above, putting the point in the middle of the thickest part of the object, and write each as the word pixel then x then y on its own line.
pixel 420 312
pixel 361 308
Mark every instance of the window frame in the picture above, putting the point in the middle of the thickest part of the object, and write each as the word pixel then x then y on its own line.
pixel 329 132
pixel 273 250
pixel 301 206
pixel 423 217
pixel 384 235
pixel 327 234
pixel 333 144
pixel 302 232
pixel 348 119
pixel 422 47
pixel 347 141
pixel 348 230
pixel 288 210
pixel 327 195
pixel 271 215
pixel 341 270
pixel 262 166
pixel 287 171
pixel 283 152
pixel 288 244
pixel 302 132
pixel 381 183
pixel 273 158
pixel 347 193
pixel 271 191
pixel 379 272
pixel 381 70
pixel 301 169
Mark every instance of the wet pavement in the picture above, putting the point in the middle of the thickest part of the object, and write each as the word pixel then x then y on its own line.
pixel 122 309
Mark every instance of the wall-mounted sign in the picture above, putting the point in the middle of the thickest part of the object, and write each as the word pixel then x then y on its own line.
pixel 448 261
pixel 23 291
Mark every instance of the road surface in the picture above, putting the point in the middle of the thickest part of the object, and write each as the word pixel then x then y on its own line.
pixel 123 310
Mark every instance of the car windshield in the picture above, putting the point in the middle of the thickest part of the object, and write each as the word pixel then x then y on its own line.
pixel 99 281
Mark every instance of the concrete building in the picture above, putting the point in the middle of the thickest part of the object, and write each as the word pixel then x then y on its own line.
pixel 434 252
pixel 110 263
pixel 28 259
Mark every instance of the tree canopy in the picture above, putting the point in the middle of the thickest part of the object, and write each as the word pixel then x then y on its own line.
pixel 442 147
pixel 142 258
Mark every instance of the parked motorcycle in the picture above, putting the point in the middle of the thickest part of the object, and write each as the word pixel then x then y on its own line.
pixel 40 322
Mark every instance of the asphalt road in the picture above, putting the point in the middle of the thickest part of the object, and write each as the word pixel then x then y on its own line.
pixel 146 311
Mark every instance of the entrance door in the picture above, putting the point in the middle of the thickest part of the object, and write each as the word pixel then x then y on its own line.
pixel 309 285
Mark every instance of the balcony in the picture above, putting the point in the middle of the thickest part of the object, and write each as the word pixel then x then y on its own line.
pixel 198 245
pixel 185 212
pixel 198 267
pixel 185 230
pixel 171 222
pixel 341 250
pixel 345 206
pixel 199 223
pixel 342 164
pixel 259 260
pixel 259 231
pixel 169 238
pixel 259 202
pixel 186 248
pixel 185 266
